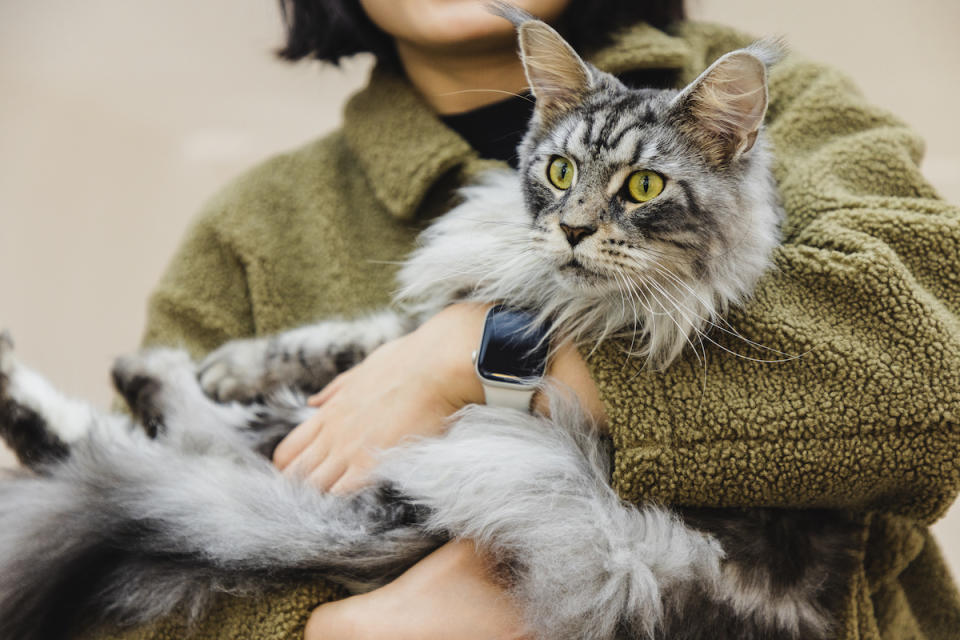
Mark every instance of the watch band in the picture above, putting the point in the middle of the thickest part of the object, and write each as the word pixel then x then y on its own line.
pixel 512 398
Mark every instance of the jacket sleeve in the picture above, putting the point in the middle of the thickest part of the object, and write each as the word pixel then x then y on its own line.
pixel 852 398
pixel 202 299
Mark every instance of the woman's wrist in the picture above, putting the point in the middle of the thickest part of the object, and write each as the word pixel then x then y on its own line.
pixel 456 332
pixel 567 366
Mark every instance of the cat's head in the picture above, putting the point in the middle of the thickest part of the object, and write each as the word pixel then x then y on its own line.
pixel 663 197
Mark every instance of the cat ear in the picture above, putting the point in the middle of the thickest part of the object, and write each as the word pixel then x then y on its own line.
pixel 558 77
pixel 723 109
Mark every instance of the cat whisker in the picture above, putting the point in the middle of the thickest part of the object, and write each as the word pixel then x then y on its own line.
pixel 499 223
pixel 623 298
pixel 525 96
pixel 625 266
pixel 681 310
pixel 393 262
pixel 730 329
pixel 723 348
pixel 677 282
pixel 703 350
pixel 661 252
pixel 633 295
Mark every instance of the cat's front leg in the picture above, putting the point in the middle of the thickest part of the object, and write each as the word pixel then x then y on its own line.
pixel 161 389
pixel 306 358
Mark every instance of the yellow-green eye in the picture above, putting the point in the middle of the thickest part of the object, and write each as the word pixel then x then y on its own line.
pixel 560 172
pixel 644 185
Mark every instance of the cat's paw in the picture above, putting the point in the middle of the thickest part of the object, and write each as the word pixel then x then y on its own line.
pixel 25 406
pixel 239 371
pixel 141 379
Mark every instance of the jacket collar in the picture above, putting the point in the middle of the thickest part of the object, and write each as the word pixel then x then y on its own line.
pixel 403 148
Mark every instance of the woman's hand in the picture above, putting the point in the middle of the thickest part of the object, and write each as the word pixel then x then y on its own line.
pixel 448 594
pixel 409 386
pixel 406 387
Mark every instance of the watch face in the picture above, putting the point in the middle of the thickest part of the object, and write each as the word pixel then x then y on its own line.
pixel 513 348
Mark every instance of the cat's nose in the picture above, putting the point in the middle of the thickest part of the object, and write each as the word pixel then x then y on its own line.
pixel 576 234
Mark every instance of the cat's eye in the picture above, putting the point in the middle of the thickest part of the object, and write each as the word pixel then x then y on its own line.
pixel 643 185
pixel 560 172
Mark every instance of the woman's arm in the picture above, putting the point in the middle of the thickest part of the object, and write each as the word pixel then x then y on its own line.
pixel 407 387
pixel 851 401
pixel 448 594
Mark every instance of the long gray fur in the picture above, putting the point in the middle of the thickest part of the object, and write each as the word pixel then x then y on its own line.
pixel 128 519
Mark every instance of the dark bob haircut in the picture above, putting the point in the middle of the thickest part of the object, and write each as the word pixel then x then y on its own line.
pixel 329 30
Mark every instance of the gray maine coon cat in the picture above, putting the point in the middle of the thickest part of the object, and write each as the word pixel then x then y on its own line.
pixel 639 213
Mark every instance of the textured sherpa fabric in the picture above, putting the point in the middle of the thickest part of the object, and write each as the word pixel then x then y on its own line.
pixel 862 313
pixel 281 615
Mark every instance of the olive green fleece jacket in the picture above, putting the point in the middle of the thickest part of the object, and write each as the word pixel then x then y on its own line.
pixel 857 411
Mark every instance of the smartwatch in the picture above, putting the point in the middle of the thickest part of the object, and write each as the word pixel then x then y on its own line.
pixel 512 357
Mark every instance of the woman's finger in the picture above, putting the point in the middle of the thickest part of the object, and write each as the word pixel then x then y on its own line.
pixel 356 477
pixel 327 473
pixel 297 441
pixel 312 456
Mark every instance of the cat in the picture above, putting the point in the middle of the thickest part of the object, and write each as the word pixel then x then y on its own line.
pixel 642 213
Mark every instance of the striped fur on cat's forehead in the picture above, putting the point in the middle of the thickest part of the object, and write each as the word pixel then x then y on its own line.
pixel 613 125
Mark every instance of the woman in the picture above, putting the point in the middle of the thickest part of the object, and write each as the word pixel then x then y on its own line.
pixel 862 421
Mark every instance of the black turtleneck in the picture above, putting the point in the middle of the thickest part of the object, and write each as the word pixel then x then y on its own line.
pixel 494 130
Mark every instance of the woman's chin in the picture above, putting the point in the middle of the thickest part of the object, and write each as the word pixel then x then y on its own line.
pixel 457 27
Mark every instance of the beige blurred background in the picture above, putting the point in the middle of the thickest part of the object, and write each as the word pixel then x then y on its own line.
pixel 117 120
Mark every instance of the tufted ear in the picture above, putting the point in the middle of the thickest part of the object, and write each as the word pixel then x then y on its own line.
pixel 723 109
pixel 558 77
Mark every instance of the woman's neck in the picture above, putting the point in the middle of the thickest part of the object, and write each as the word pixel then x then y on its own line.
pixel 457 83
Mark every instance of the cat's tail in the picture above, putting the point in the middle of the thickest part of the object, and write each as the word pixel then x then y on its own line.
pixel 131 531
pixel 50 547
